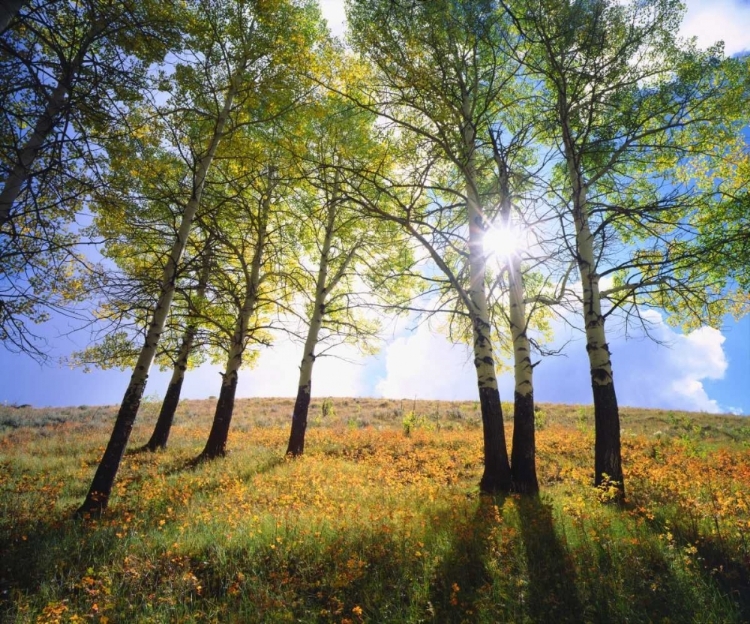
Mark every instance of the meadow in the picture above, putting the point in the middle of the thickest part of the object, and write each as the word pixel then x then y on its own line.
pixel 380 521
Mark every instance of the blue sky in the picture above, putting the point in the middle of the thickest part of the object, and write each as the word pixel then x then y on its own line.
pixel 704 370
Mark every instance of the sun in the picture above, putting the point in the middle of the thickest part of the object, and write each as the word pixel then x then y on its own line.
pixel 501 241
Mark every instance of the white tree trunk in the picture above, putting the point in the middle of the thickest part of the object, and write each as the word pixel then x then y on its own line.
pixel 46 123
pixel 161 310
pixel 596 344
pixel 496 475
pixel 217 437
pixel 19 174
pixel 304 386
pixel 163 426
pixel 522 368
pixel 316 320
pixel 607 449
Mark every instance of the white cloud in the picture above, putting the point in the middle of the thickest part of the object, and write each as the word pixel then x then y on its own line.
pixel 695 357
pixel 426 365
pixel 670 376
pixel 701 352
pixel 275 374
pixel 719 20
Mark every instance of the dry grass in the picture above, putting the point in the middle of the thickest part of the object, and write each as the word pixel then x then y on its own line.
pixel 380 521
pixel 388 413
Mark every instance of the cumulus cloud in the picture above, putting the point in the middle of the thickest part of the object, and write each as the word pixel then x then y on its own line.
pixel 277 373
pixel 670 376
pixel 426 365
pixel 647 374
pixel 719 20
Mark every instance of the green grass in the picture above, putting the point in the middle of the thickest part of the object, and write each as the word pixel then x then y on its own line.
pixel 372 524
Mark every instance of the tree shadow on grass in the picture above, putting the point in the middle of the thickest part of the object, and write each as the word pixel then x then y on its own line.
pixel 48 553
pixel 729 572
pixel 143 450
pixel 633 572
pixel 463 581
pixel 721 562
pixel 599 578
pixel 389 575
pixel 50 549
pixel 552 591
pixel 507 563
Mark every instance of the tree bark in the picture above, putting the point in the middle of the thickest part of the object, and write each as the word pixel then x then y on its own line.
pixel 296 444
pixel 496 476
pixel 607 458
pixel 8 10
pixel 523 455
pixel 163 426
pixel 608 462
pixel 19 174
pixel 98 495
pixel 219 434
pixel 607 449
pixel 160 435
pixel 216 445
pixel 217 438
pixel 56 104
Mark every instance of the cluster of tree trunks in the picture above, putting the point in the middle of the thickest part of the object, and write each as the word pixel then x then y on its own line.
pixel 562 82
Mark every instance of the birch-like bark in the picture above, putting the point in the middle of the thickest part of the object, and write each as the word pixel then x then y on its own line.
pixel 216 445
pixel 496 477
pixel 163 426
pixel 19 174
pixel 523 456
pixel 607 453
pixel 296 444
pixel 101 487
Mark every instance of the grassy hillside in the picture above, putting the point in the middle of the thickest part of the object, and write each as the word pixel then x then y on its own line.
pixel 381 521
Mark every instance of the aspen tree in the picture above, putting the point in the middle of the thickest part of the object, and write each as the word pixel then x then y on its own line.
pixel 624 101
pixel 69 73
pixel 238 66
pixel 437 75
pixel 350 265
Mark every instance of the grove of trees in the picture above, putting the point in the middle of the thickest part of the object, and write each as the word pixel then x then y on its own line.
pixel 194 179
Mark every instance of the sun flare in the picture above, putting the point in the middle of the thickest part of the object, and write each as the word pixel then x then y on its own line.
pixel 503 241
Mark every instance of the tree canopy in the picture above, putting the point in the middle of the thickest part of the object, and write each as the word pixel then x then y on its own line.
pixel 195 179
